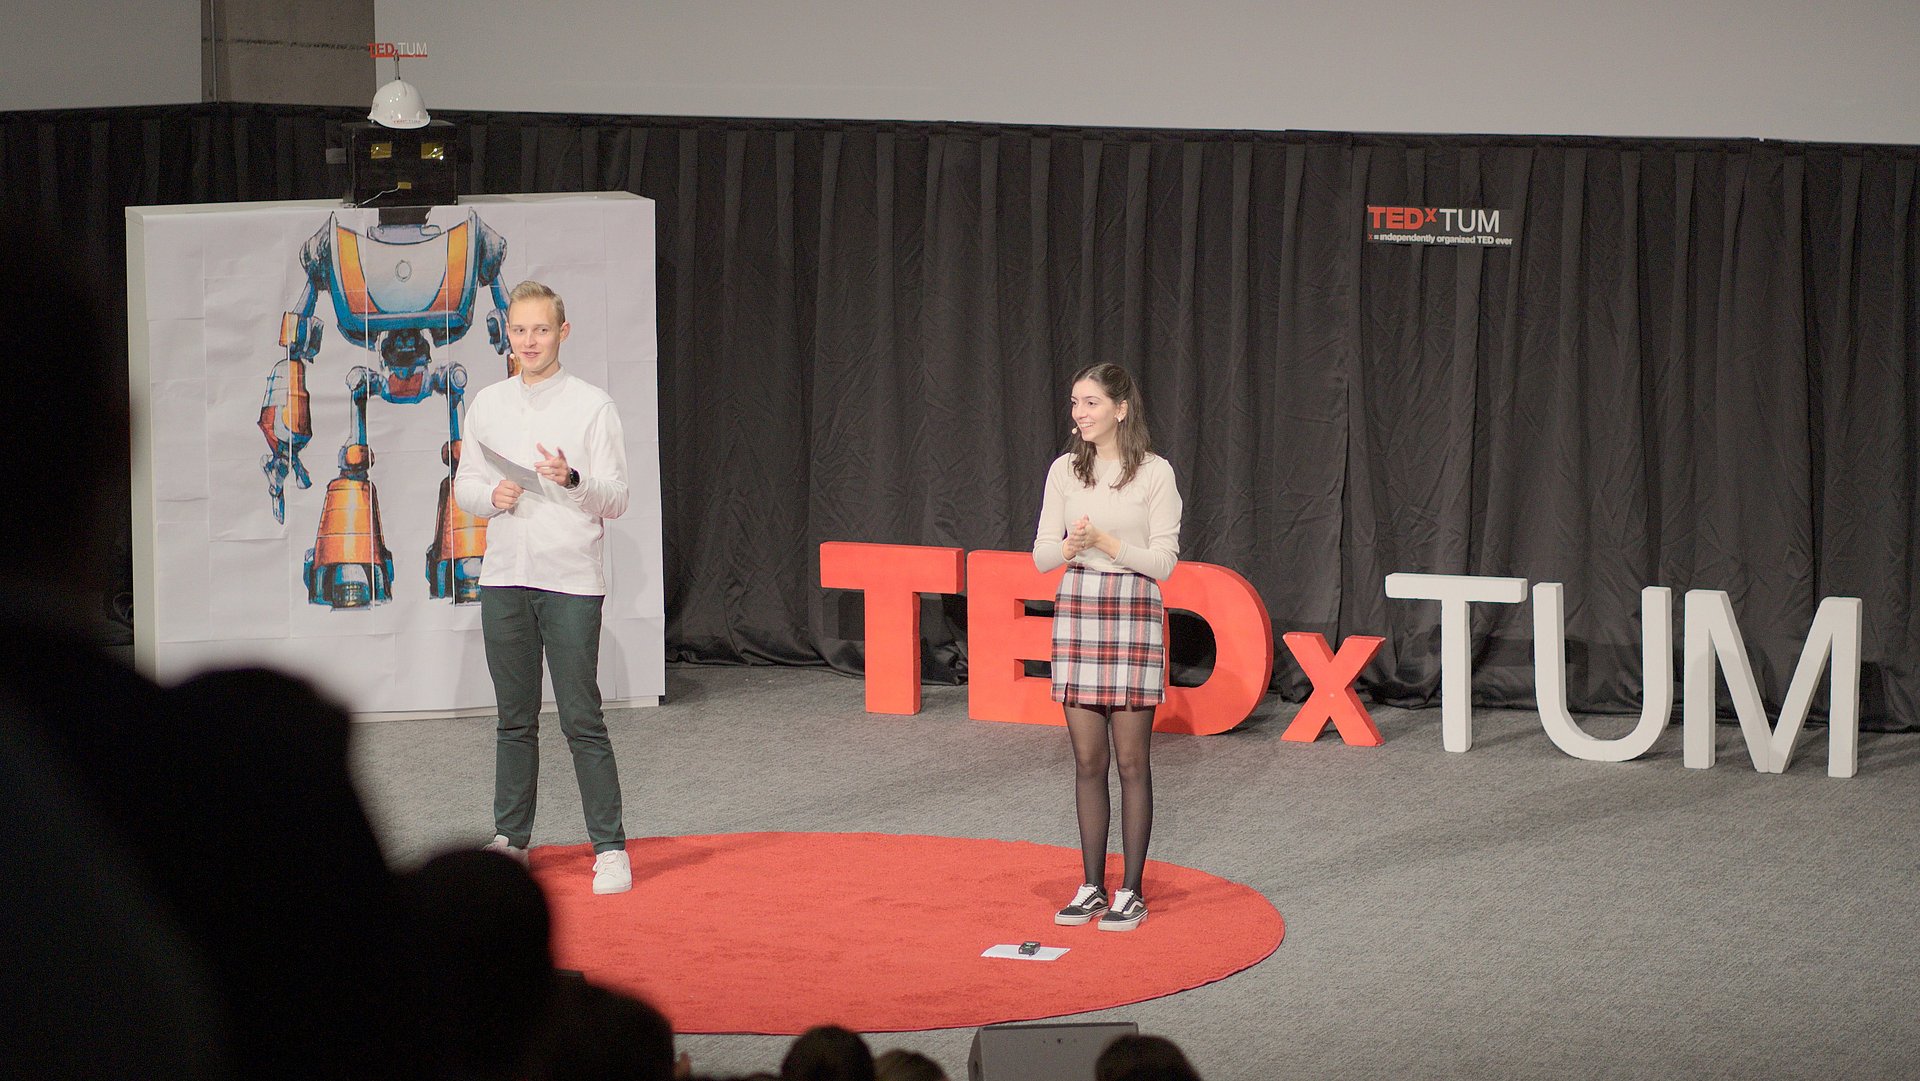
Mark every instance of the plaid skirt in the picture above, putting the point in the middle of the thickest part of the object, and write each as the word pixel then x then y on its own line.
pixel 1108 640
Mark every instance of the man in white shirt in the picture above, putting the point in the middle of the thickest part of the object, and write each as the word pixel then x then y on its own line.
pixel 543 580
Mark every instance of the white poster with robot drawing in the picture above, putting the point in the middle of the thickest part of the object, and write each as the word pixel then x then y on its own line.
pixel 300 377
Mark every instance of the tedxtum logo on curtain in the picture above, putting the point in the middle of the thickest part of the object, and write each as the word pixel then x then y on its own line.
pixel 1479 226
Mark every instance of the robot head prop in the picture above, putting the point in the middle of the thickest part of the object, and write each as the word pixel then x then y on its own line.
pixel 398 105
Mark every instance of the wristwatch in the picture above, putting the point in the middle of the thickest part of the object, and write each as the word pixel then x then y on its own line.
pixel 573 478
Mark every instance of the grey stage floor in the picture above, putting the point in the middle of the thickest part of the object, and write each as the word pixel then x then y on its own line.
pixel 1505 913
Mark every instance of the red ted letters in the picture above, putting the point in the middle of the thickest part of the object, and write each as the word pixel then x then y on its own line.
pixel 1002 636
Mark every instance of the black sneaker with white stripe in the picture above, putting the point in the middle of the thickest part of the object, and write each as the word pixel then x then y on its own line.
pixel 1128 912
pixel 1089 902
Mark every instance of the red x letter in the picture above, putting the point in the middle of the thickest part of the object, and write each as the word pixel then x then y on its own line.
pixel 1333 698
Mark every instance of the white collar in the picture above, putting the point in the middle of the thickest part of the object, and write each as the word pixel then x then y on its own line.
pixel 535 391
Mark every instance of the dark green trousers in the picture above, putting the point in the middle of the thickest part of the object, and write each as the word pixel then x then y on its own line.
pixel 519 624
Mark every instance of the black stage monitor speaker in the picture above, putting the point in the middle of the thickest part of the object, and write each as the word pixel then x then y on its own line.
pixel 1042 1052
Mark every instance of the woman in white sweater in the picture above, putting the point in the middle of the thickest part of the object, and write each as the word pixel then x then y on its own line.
pixel 1111 512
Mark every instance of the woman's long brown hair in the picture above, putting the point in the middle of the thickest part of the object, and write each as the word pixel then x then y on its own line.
pixel 1135 442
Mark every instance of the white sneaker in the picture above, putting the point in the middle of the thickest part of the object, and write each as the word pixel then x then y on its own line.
pixel 1088 902
pixel 1128 912
pixel 612 873
pixel 505 847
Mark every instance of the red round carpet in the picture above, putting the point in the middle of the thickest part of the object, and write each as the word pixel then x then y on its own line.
pixel 777 932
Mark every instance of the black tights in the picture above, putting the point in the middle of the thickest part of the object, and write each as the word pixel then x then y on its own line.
pixel 1131 732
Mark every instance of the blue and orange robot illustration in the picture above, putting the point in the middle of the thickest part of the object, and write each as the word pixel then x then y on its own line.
pixel 401 289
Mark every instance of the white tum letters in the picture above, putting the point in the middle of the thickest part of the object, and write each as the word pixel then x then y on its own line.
pixel 1834 637
pixel 1713 641
pixel 1469 220
pixel 1455 592
pixel 1550 675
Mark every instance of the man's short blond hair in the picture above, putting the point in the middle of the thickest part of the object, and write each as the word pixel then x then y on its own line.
pixel 533 290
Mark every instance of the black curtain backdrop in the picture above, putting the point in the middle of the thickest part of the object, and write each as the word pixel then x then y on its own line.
pixel 1697 368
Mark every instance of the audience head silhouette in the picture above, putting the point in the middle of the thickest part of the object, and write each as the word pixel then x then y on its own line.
pixel 903 1065
pixel 827 1053
pixel 482 963
pixel 1143 1058
pixel 600 1035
